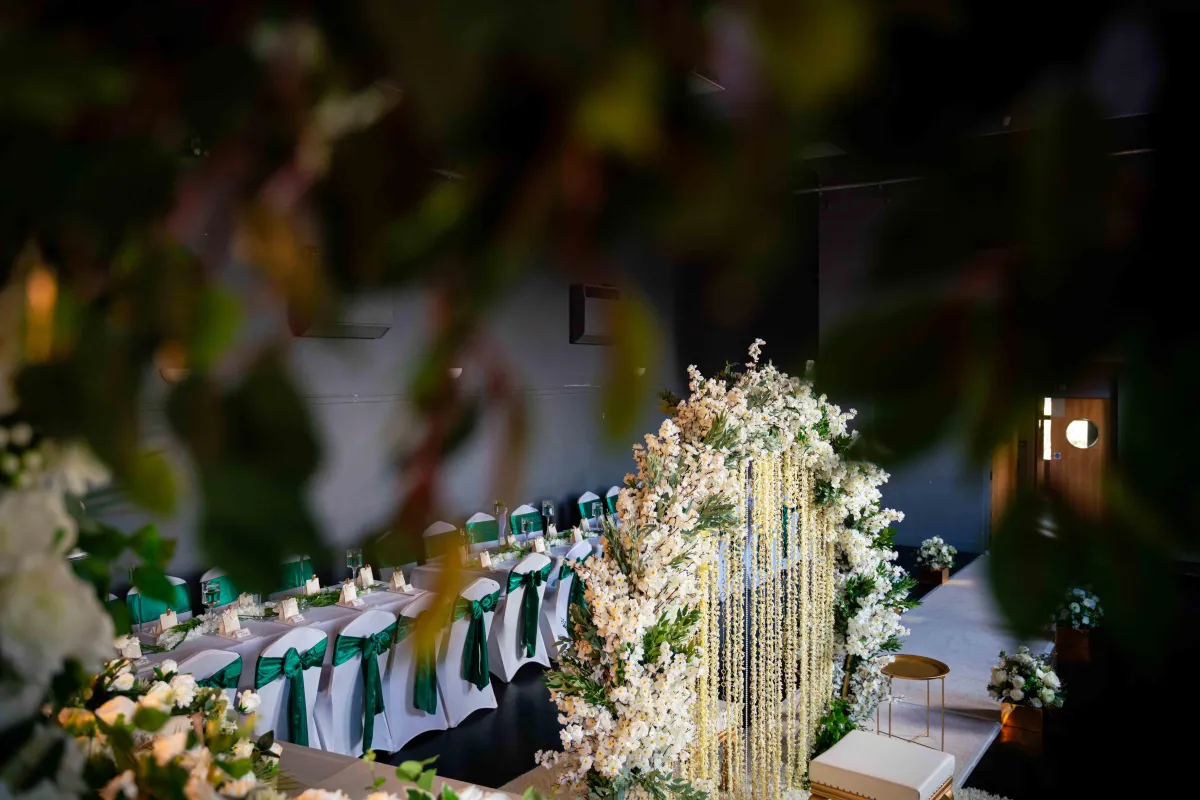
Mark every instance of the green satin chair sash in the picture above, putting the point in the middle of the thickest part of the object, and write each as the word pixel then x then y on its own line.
pixel 535 523
pixel 230 591
pixel 611 502
pixel 577 597
pixel 475 654
pixel 487 530
pixel 530 604
pixel 441 543
pixel 292 666
pixel 295 573
pixel 425 678
pixel 147 609
pixel 225 678
pixel 585 509
pixel 369 648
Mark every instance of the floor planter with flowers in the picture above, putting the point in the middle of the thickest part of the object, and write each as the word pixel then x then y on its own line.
pixel 1026 686
pixel 1079 613
pixel 935 559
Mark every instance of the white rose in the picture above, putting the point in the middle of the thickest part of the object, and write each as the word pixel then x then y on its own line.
pixel 121 683
pixel 168 667
pixel 124 785
pixel 160 697
pixel 1086 620
pixel 75 720
pixel 321 794
pixel 75 469
pixel 243 748
pixel 184 688
pixel 1035 703
pixel 48 615
pixel 384 796
pixel 1048 695
pixel 1089 602
pixel 248 701
pixel 1018 681
pixel 167 748
pixel 1052 680
pixel 1075 607
pixel 116 708
pixel 999 676
pixel 276 749
pixel 1016 694
pixel 21 434
pixel 31 524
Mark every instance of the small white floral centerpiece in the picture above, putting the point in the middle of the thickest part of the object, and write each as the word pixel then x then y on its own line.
pixel 1080 610
pixel 935 554
pixel 1025 679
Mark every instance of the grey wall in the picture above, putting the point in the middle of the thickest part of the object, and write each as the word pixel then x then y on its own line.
pixel 356 392
pixel 941 494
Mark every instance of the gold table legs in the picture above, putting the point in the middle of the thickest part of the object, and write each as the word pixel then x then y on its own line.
pixel 928 715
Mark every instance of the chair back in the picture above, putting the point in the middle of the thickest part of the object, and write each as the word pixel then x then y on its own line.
pixel 296 570
pixel 610 500
pixel 273 709
pixel 228 590
pixel 483 531
pixel 147 609
pixel 344 731
pixel 459 696
pixel 206 663
pixel 405 719
pixel 586 502
pixel 440 538
pixel 525 514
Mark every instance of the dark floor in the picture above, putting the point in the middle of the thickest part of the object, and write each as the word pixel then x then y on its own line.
pixel 1127 728
pixel 493 747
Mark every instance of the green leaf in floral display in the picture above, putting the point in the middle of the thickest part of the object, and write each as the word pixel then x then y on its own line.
pixel 151 582
pixel 150 719
pixel 426 780
pixel 217 318
pixel 265 741
pixel 409 771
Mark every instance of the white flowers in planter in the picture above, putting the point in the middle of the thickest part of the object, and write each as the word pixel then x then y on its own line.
pixel 1025 679
pixel 935 554
pixel 1080 610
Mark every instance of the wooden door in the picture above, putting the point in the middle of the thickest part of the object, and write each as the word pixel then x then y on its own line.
pixel 1077 451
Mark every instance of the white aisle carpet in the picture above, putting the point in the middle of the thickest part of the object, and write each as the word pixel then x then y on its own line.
pixel 958 624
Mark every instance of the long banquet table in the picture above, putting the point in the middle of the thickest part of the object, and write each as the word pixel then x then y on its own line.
pixel 330 619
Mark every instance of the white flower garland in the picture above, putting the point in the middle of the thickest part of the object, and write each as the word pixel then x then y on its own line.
pixel 628 712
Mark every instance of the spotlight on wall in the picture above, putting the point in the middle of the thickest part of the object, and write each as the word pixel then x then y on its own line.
pixel 640 371
pixel 455 373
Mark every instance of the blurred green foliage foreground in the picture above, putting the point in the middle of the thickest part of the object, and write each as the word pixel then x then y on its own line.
pixel 144 146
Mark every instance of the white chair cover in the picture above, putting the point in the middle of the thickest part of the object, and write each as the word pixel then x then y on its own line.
pixel 273 708
pixel 585 510
pixel 340 703
pixel 459 696
pixel 506 655
pixel 520 511
pixel 132 595
pixel 555 608
pixel 405 720
pixel 435 531
pixel 482 517
pixel 613 492
pixel 203 664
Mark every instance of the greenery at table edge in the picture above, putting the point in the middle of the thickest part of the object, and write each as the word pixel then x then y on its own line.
pixel 420 774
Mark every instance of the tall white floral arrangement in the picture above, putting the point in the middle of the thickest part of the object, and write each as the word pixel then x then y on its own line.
pixel 627 684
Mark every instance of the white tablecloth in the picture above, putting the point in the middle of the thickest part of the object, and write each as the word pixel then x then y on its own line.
pixel 430 575
pixel 330 619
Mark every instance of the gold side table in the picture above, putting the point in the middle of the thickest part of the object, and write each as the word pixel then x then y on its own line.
pixel 916 668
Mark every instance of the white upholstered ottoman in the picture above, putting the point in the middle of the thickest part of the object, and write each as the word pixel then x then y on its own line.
pixel 864 765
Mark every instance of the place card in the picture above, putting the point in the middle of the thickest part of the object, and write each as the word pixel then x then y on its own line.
pixel 485 560
pixel 312 585
pixel 231 626
pixel 131 649
pixel 288 608
pixel 398 584
pixel 576 536
pixel 350 598
pixel 167 621
pixel 539 545
pixel 366 578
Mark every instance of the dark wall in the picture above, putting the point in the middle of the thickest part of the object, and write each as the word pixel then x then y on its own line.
pixel 941 494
